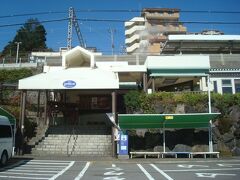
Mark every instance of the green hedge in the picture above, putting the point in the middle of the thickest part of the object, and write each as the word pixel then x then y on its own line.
pixel 13 75
pixel 140 102
pixel 198 102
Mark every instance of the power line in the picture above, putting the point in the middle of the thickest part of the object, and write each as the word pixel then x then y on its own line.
pixel 44 21
pixel 122 21
pixel 113 11
pixel 165 22
pixel 33 14
pixel 134 10
pixel 211 12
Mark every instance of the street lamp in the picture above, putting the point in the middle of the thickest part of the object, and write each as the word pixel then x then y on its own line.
pixel 18 43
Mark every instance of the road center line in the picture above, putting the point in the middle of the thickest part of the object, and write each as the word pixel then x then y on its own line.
pixel 145 172
pixel 80 175
pixel 63 171
pixel 161 172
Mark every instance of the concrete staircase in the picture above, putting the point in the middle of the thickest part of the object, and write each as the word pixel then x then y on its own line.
pixel 91 140
pixel 39 136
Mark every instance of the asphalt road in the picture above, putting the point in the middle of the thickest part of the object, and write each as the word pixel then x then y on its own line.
pixel 137 169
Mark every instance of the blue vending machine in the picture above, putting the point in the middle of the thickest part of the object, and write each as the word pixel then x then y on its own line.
pixel 123 145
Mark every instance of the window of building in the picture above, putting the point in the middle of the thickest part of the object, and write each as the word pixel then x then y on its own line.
pixel 226 86
pixel 237 85
pixel 215 86
pixel 170 13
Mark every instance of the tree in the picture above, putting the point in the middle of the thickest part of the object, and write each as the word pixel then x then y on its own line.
pixel 33 37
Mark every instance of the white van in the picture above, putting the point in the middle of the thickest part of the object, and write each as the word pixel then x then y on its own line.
pixel 6 140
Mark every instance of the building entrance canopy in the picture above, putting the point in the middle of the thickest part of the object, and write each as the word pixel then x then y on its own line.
pixel 72 78
pixel 77 72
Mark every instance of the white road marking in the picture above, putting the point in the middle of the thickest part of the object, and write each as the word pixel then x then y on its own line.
pixel 80 175
pixel 63 171
pixel 11 166
pixel 113 178
pixel 190 166
pixel 27 170
pixel 228 165
pixel 212 175
pixel 113 173
pixel 145 172
pixel 37 166
pixel 23 173
pixel 36 169
pixel 61 163
pixel 114 168
pixel 189 170
pixel 19 177
pixel 49 161
pixel 161 172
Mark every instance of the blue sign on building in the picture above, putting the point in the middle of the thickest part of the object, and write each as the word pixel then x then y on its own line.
pixel 69 84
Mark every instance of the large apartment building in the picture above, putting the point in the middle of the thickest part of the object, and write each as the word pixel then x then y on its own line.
pixel 148 33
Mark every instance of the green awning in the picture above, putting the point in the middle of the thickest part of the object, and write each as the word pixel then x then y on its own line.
pixel 11 118
pixel 178 72
pixel 186 121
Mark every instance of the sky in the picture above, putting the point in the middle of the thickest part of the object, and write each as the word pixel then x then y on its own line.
pixel 97 33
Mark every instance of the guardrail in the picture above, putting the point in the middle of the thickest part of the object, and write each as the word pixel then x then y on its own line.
pixel 19 65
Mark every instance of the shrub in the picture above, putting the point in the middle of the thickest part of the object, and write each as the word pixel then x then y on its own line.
pixel 133 101
pixel 224 124
pixel 147 103
pixel 12 76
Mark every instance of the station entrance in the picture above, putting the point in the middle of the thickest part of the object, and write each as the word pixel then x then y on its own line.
pixel 75 107
pixel 77 123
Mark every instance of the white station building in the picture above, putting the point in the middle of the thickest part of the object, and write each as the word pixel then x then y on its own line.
pixel 85 86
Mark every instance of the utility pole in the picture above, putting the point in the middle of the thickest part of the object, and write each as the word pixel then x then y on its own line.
pixel 112 31
pixel 18 43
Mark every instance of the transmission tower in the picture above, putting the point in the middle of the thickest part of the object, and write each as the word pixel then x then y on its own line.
pixel 73 22
pixel 112 31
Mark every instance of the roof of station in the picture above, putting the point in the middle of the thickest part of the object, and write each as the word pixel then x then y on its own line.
pixel 198 43
pixel 77 72
pixel 200 37
pixel 181 65
pixel 72 78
